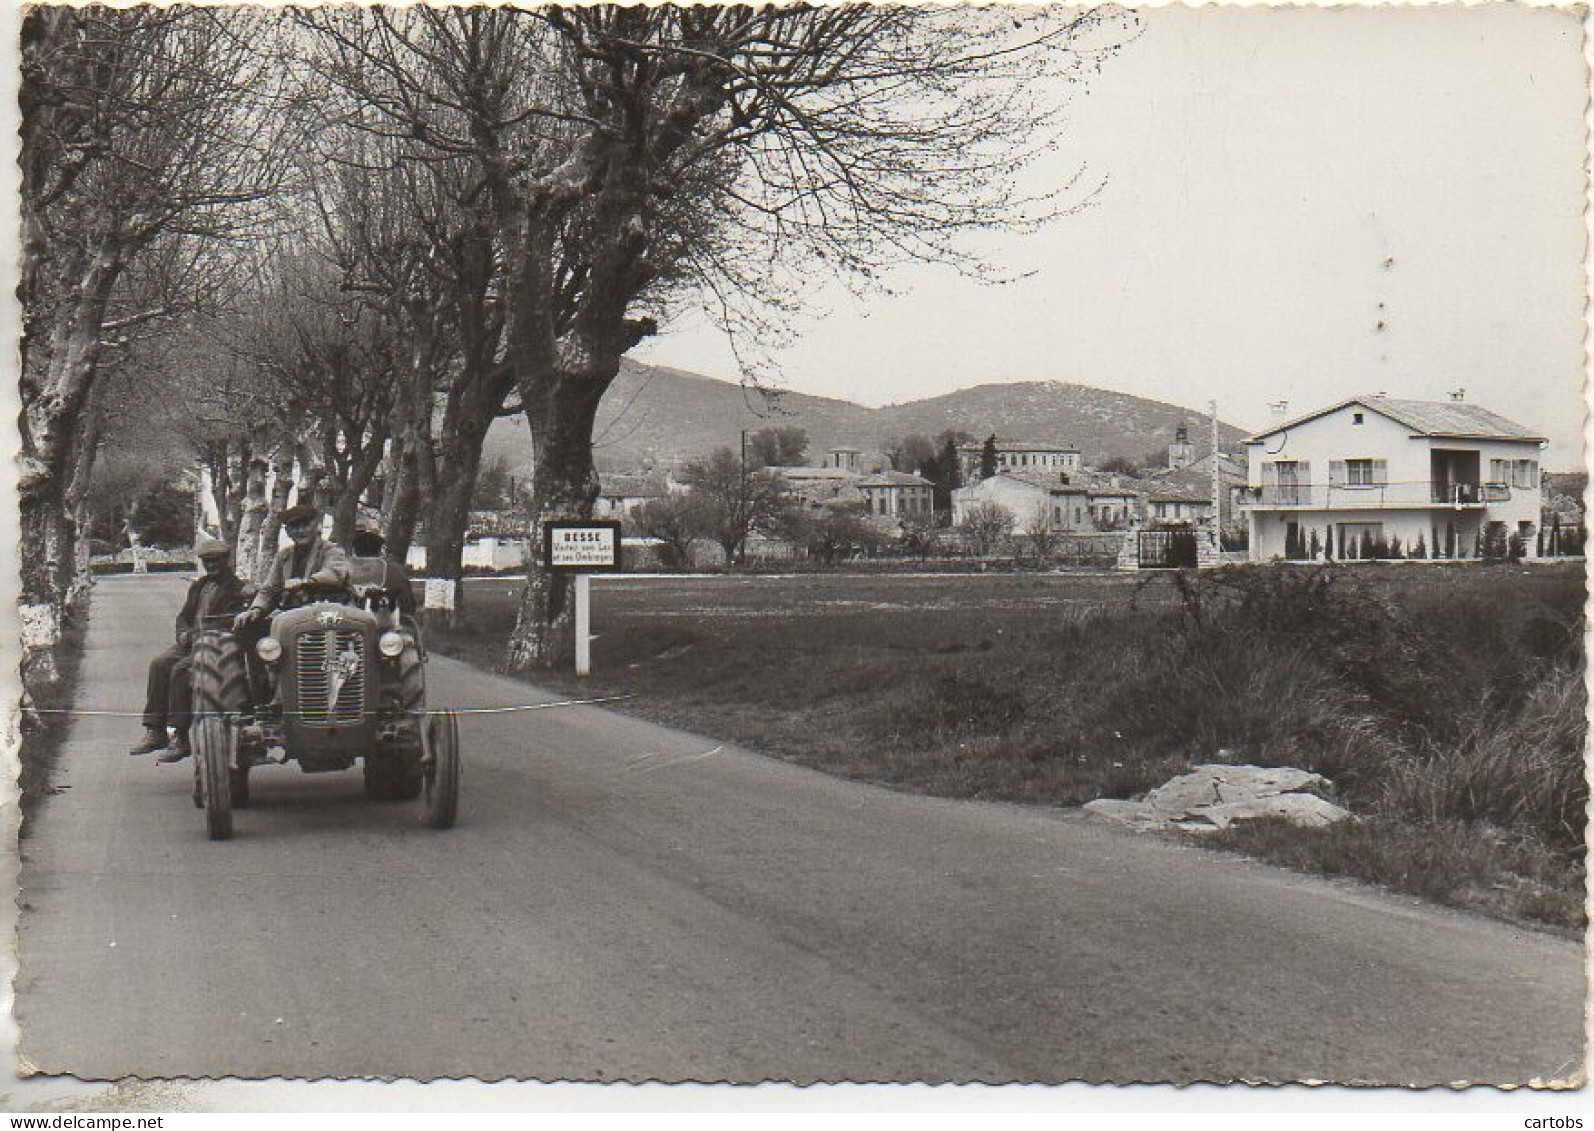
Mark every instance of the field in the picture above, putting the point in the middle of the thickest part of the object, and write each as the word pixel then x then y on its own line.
pixel 1445 702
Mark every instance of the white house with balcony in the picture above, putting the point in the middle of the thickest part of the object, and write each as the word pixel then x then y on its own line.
pixel 1442 475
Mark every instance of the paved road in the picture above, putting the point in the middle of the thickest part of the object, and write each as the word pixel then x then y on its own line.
pixel 622 901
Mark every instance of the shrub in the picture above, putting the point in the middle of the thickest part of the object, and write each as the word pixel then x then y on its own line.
pixel 1523 770
pixel 948 705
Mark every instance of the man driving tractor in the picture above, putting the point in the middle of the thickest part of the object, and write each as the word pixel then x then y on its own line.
pixel 168 701
pixel 310 560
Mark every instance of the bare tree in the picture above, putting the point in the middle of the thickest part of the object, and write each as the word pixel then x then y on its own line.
pixel 783 446
pixel 1040 536
pixel 986 526
pixel 677 521
pixel 137 124
pixel 635 158
pixel 733 500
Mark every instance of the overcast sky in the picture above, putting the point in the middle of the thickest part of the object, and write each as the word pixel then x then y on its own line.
pixel 1279 183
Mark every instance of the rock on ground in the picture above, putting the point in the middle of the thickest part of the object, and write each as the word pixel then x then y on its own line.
pixel 1215 796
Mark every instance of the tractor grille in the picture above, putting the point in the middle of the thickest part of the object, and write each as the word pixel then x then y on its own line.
pixel 329 664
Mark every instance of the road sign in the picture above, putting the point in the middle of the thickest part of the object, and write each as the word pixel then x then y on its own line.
pixel 581 547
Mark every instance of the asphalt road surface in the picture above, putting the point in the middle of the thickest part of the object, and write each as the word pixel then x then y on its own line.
pixel 623 901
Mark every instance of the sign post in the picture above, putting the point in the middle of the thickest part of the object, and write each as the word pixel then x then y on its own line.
pixel 583 624
pixel 582 549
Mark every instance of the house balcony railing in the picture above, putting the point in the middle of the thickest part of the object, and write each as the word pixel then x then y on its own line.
pixel 1421 494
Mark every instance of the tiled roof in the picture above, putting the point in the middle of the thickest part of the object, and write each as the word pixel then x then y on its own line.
pixel 1047 481
pixel 1102 483
pixel 1426 418
pixel 1187 484
pixel 1019 446
pixel 795 473
pixel 630 486
pixel 893 479
pixel 1450 418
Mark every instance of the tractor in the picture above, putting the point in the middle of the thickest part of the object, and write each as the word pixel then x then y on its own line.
pixel 335 675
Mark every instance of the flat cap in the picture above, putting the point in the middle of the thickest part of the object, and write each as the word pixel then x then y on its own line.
pixel 303 512
pixel 212 548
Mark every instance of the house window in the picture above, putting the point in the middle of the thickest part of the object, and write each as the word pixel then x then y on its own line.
pixel 1366 472
pixel 1356 418
pixel 1519 473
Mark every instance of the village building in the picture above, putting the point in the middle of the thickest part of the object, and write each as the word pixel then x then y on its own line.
pixel 1049 502
pixel 820 486
pixel 895 496
pixel 621 495
pixel 1019 455
pixel 1114 500
pixel 1374 470
pixel 1178 501
pixel 1181 453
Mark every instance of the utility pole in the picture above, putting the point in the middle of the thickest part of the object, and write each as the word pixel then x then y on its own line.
pixel 743 505
pixel 1217 477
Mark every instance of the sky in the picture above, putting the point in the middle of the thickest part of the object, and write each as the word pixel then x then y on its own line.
pixel 1299 206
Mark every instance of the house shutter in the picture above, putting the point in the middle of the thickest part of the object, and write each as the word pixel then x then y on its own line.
pixel 1381 472
pixel 1336 473
pixel 1303 472
pixel 1270 474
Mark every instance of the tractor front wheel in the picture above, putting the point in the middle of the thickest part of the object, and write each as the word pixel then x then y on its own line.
pixel 212 743
pixel 441 769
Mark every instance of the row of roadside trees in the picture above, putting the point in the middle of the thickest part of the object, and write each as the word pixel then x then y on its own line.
pixel 321 250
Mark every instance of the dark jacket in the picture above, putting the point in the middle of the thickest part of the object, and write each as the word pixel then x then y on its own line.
pixel 390 576
pixel 325 562
pixel 229 599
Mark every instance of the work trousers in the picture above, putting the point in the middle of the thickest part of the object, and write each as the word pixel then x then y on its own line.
pixel 169 700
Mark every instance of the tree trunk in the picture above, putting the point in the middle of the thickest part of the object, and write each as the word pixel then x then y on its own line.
pixel 85 430
pixel 271 523
pixel 448 516
pixel 412 480
pixel 246 551
pixel 57 395
pixel 564 486
pixel 43 537
pixel 346 513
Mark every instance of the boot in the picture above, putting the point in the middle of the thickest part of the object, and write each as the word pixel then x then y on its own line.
pixel 178 752
pixel 154 739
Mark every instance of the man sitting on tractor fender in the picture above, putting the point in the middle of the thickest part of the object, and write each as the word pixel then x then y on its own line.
pixel 217 591
pixel 311 560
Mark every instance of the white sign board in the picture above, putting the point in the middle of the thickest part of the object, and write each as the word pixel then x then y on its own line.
pixel 582 547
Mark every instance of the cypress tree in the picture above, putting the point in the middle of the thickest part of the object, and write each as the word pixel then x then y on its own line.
pixel 1313 546
pixel 988 457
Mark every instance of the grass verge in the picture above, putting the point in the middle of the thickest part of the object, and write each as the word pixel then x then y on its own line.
pixel 1445 702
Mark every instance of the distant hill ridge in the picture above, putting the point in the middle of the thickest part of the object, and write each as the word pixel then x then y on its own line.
pixel 663 415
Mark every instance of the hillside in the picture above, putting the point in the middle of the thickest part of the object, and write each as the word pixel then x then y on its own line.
pixel 668 415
